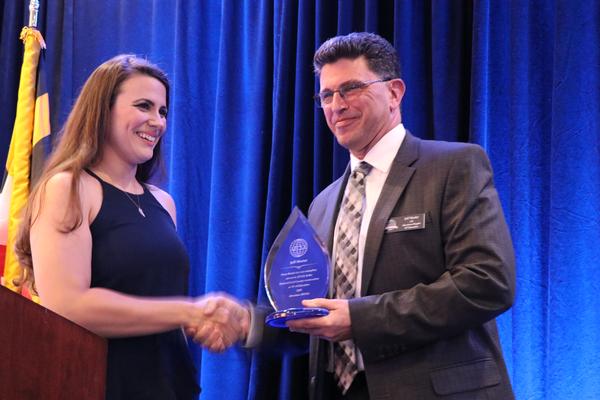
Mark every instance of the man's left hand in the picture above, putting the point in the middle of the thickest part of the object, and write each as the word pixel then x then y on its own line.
pixel 334 327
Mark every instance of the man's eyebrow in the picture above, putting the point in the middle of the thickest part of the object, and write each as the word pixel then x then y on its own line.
pixel 345 83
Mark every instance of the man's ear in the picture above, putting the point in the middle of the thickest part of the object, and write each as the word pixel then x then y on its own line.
pixel 397 89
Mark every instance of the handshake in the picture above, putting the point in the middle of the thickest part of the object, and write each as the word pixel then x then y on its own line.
pixel 218 321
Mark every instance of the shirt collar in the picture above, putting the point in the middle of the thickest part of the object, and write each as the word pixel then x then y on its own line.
pixel 383 153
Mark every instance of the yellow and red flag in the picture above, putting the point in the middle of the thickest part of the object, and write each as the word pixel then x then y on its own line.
pixel 29 146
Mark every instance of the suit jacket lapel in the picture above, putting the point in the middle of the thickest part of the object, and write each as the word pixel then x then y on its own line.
pixel 333 208
pixel 400 173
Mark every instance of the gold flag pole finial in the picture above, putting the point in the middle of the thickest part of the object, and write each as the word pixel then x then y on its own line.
pixel 34 6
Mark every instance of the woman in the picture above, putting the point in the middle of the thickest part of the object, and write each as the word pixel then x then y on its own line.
pixel 103 245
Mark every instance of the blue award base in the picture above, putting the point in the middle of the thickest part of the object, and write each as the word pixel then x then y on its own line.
pixel 279 318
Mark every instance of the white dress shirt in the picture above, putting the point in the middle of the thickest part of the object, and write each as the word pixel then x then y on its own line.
pixel 380 157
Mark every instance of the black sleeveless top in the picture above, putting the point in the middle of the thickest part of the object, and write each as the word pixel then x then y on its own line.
pixel 142 256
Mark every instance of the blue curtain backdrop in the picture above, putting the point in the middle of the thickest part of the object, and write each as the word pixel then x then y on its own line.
pixel 246 143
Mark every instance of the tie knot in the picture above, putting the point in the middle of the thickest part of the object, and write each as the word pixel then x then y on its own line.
pixel 362 170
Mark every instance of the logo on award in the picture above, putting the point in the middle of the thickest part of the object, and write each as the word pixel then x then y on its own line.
pixel 298 248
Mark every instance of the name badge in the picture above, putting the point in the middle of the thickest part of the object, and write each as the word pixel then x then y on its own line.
pixel 405 223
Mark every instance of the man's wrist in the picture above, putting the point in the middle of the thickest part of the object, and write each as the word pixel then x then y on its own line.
pixel 255 328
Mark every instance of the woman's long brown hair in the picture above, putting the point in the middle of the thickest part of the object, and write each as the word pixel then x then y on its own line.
pixel 81 146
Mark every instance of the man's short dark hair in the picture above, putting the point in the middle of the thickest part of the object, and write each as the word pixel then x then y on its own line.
pixel 381 56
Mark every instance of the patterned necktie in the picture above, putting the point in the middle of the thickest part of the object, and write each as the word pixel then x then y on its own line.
pixel 346 267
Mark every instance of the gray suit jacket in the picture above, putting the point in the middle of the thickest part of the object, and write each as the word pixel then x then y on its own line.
pixel 425 322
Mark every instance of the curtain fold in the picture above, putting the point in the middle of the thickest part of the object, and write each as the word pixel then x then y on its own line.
pixel 245 143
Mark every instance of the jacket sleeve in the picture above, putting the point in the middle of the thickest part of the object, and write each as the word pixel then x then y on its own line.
pixel 269 340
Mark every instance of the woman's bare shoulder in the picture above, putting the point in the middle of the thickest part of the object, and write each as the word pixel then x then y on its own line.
pixel 165 200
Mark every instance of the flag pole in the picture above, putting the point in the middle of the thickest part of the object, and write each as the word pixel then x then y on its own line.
pixel 34 6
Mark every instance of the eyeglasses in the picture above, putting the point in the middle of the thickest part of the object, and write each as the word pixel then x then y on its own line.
pixel 347 91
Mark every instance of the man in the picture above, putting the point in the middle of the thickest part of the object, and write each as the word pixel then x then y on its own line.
pixel 422 257
pixel 423 260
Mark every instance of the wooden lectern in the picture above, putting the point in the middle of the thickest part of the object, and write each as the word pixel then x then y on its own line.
pixel 45 356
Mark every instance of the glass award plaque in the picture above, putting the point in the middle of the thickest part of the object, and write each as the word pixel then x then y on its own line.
pixel 297 268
